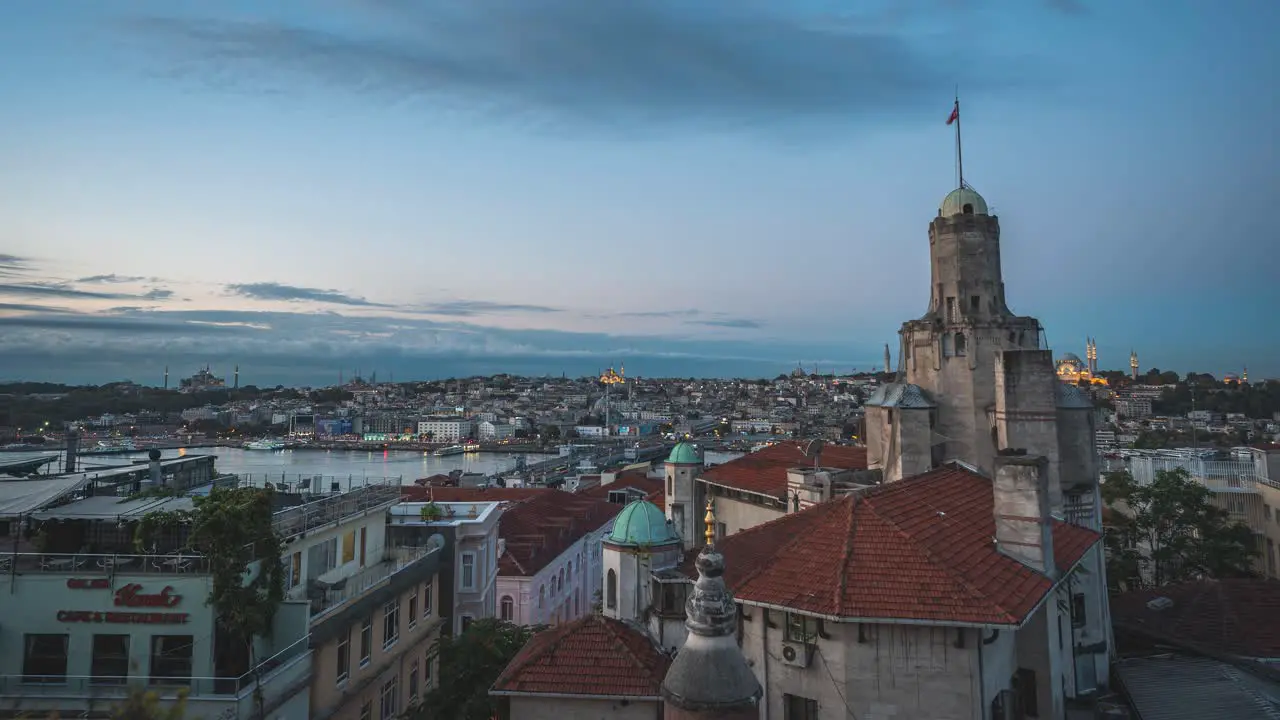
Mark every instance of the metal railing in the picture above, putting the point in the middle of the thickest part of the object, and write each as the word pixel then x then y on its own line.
pixel 108 686
pixel 331 509
pixel 315 483
pixel 355 586
pixel 1216 475
pixel 103 564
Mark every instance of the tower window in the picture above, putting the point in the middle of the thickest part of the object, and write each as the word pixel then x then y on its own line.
pixel 611 590
pixel 968 208
pixel 974 303
pixel 951 309
pixel 960 344
pixel 946 345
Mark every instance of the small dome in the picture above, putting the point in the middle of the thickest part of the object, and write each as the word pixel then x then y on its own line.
pixel 642 524
pixel 684 454
pixel 963 201
pixel 1070 358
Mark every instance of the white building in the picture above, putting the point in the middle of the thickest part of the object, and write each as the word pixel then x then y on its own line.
pixel 495 430
pixel 446 429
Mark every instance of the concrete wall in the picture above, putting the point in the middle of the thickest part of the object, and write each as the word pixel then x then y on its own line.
pixel 737 515
pixel 342 699
pixel 295 554
pixel 529 708
pixel 683 505
pixel 1026 410
pixel 581 579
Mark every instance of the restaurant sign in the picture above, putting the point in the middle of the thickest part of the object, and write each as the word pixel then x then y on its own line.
pixel 130 596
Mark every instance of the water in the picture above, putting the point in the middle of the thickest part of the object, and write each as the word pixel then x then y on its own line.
pixel 406 464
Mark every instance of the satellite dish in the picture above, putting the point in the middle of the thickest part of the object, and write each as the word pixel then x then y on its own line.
pixel 813 449
pixel 435 542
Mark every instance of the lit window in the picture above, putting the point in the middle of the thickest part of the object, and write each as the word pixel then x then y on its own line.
pixel 508 608
pixel 390 623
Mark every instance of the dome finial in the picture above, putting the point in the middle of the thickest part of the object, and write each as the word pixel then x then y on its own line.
pixel 710 521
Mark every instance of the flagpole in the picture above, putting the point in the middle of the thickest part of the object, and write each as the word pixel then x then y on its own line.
pixel 959 150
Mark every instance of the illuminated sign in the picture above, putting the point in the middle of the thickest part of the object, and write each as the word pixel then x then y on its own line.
pixel 138 618
pixel 128 596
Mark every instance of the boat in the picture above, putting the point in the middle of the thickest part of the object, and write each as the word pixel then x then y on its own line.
pixel 449 450
pixel 264 444
pixel 471 447
pixel 117 445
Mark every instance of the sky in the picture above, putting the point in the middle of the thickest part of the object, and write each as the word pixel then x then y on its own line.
pixel 435 188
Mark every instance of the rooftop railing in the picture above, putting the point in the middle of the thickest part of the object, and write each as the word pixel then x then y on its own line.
pixel 103 564
pixel 331 509
pixel 334 595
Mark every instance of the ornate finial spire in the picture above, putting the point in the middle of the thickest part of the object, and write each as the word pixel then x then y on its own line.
pixel 710 521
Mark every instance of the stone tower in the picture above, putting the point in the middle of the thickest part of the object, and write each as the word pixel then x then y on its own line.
pixel 1091 355
pixel 1133 363
pixel 641 541
pixel 709 678
pixel 887 367
pixel 950 351
pixel 682 468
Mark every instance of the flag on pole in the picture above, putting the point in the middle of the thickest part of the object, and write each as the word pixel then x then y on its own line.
pixel 955 113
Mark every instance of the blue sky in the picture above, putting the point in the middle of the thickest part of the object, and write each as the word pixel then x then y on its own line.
pixel 454 186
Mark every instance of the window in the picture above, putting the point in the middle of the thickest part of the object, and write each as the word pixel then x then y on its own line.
pixel 366 641
pixel 1077 610
pixel 413 680
pixel 722 531
pixel 390 623
pixel 389 704
pixel 466 622
pixel 947 350
pixel 413 607
pixel 611 590
pixel 795 707
pixel 468 571
pixel 542 595
pixel 426 599
pixel 975 303
pixel 508 608
pixel 961 349
pixel 344 657
pixel 951 309
pixel 802 628
pixel 426 671
pixel 366 710
pixel 110 663
pixel 348 547
pixel 171 658
pixel 560 580
pixel 1024 686
pixel 46 659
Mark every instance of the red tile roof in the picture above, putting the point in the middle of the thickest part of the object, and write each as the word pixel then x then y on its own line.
pixel 1232 616
pixel 594 655
pixel 917 549
pixel 537 530
pixel 413 493
pixel 765 471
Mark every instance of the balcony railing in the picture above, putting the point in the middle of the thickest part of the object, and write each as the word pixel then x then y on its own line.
pixel 350 588
pixel 333 509
pixel 279 671
pixel 103 564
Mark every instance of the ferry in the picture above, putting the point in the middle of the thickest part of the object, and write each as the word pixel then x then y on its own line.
pixel 265 444
pixel 450 450
pixel 120 445
pixel 471 447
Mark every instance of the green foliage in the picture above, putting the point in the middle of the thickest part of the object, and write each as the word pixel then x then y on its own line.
pixel 469 665
pixel 139 704
pixel 1170 531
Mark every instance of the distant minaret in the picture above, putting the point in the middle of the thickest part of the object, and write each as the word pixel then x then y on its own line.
pixel 711 651
pixel 166 377
pixel 1133 363
pixel 886 357
pixel 1244 376
pixel 235 383
pixel 1091 354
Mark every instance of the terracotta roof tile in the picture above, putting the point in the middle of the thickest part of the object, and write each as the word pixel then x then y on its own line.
pixel 765 471
pixel 1232 616
pixel 593 655
pixel 537 530
pixel 917 549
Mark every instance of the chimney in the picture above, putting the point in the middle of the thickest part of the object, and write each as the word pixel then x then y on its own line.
pixel 73 450
pixel 1024 525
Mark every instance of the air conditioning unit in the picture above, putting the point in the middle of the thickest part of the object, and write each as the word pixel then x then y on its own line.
pixel 1005 706
pixel 797 654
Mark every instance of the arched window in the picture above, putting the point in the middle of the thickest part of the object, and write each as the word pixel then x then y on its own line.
pixel 542 595
pixel 946 345
pixel 968 208
pixel 671 485
pixel 611 590
pixel 508 608
pixel 570 568
pixel 960 344
pixel 560 582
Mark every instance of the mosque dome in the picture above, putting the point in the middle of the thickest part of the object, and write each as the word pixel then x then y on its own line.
pixel 1070 358
pixel 963 201
pixel 642 524
pixel 684 454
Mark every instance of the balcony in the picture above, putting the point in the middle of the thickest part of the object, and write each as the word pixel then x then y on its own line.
pixel 326 597
pixel 280 677
pixel 103 564
pixel 333 509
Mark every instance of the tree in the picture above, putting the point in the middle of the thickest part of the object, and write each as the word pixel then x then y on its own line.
pixel 551 432
pixel 469 665
pixel 1171 531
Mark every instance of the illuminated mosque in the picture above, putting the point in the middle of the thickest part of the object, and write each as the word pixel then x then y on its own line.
pixel 1071 369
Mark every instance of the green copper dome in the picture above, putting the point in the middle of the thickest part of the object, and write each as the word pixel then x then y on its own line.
pixel 640 524
pixel 684 454
pixel 956 201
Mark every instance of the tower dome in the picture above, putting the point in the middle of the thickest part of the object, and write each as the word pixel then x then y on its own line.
pixel 684 454
pixel 962 201
pixel 642 524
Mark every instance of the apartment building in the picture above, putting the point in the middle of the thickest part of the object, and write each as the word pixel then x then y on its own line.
pixel 446 429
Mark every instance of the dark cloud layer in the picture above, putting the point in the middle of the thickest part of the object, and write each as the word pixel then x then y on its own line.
pixel 12 265
pixel 292 293
pixel 472 308
pixel 739 323
pixel 606 63
pixel 112 278
pixel 68 292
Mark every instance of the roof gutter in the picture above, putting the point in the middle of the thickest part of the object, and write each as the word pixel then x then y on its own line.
pixel 574 696
pixel 729 487
pixel 933 623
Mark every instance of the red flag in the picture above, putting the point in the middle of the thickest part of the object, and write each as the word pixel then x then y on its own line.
pixel 955 114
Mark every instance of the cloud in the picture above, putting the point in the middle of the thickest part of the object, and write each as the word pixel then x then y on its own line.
pixel 658 314
pixel 293 293
pixel 112 278
pixel 742 323
pixel 604 63
pixel 471 308
pixel 27 307
pixel 61 290
pixel 12 265
pixel 158 294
